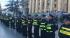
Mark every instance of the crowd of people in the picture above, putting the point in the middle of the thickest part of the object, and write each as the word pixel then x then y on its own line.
pixel 40 26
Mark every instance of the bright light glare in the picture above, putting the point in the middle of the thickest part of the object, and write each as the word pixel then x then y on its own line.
pixel 3 3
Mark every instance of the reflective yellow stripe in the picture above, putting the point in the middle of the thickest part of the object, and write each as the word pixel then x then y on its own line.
pixel 49 24
pixel 41 29
pixel 12 20
pixel 23 22
pixel 34 20
pixel 10 17
pixel 42 23
pixel 44 29
pixel 42 26
pixel 28 22
pixel 48 27
pixel 68 29
pixel 35 23
pixel 65 32
pixel 17 20
pixel 62 31
pixel 49 31
pixel 68 33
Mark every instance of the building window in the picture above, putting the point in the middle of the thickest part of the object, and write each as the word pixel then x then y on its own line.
pixel 55 0
pixel 47 4
pixel 54 5
pixel 43 5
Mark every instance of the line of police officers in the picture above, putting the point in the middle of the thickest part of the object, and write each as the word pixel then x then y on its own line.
pixel 30 26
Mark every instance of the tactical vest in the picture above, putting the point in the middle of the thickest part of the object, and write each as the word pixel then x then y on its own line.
pixel 42 26
pixel 35 22
pixel 49 28
pixel 13 21
pixel 65 31
pixel 29 21
pixel 23 22
pixel 18 21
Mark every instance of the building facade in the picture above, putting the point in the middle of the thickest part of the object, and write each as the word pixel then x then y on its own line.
pixel 0 9
pixel 38 6
pixel 24 7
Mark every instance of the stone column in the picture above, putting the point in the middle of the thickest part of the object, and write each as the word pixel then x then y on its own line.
pixel 40 7
pixel 45 5
pixel 37 6
pixel 59 5
pixel 51 5
pixel 68 6
pixel 30 6
pixel 33 6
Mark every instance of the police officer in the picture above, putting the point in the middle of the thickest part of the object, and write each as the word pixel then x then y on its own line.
pixel 12 23
pixel 42 26
pixel 51 27
pixel 64 31
pixel 6 21
pixel 9 22
pixel 24 25
pixel 35 23
pixel 29 26
pixel 18 25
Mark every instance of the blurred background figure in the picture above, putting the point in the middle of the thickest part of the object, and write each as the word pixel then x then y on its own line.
pixel 64 31
pixel 51 26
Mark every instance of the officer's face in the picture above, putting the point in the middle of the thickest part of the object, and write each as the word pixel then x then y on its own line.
pixel 67 22
pixel 49 17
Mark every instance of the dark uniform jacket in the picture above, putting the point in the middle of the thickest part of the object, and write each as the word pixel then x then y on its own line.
pixel 51 26
pixel 64 31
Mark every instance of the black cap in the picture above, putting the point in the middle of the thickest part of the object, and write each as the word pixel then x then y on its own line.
pixel 43 15
pixel 51 15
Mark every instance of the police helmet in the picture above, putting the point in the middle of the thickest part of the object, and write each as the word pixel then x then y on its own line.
pixel 51 15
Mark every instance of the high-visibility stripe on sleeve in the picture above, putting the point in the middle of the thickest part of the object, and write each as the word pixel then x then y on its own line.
pixel 68 29
pixel 34 23
pixel 42 23
pixel 49 28
pixel 42 26
pixel 49 24
pixel 65 32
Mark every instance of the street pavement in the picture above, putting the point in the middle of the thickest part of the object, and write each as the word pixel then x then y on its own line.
pixel 8 33
pixel 56 33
